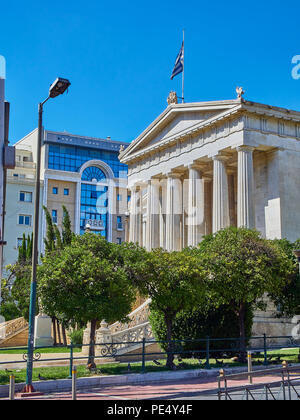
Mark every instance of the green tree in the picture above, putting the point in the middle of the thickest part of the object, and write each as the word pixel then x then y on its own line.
pixel 56 240
pixel 8 309
pixel 240 268
pixel 287 299
pixel 20 277
pixel 50 238
pixel 67 233
pixel 173 281
pixel 89 275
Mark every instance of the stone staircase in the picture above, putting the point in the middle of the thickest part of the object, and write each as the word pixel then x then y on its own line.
pixel 121 341
pixel 14 333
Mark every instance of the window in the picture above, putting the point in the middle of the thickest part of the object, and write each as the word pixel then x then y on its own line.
pixel 119 223
pixel 66 191
pixel 54 216
pixel 24 220
pixel 119 197
pixel 26 196
pixel 119 241
pixel 54 190
pixel 19 242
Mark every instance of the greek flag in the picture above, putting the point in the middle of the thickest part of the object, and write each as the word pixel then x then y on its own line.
pixel 178 67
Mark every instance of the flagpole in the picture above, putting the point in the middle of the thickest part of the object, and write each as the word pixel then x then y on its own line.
pixel 183 72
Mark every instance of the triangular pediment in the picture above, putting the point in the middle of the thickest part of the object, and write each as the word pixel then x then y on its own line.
pixel 177 119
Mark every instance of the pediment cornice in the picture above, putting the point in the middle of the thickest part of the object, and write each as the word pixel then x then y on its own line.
pixel 136 149
pixel 237 107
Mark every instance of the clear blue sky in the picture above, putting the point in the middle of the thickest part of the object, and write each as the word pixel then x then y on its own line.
pixel 119 57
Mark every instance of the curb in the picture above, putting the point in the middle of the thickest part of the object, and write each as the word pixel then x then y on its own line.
pixel 62 385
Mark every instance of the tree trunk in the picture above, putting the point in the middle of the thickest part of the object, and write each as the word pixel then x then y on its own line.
pixel 170 344
pixel 91 359
pixel 54 331
pixel 58 332
pixel 64 335
pixel 242 313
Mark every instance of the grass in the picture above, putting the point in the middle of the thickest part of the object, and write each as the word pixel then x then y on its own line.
pixel 22 350
pixel 62 372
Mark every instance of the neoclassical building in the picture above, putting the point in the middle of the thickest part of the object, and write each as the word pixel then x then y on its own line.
pixel 200 167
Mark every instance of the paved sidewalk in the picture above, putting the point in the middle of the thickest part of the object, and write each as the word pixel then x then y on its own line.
pixel 41 363
pixel 193 389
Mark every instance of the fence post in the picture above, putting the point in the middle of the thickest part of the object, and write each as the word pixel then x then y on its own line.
pixel 207 365
pixel 71 360
pixel 74 376
pixel 265 351
pixel 285 367
pixel 250 367
pixel 143 355
pixel 11 387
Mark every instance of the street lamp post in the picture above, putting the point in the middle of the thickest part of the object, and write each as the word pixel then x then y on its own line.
pixel 57 88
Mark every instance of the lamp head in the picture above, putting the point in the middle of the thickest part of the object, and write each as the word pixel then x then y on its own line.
pixel 58 87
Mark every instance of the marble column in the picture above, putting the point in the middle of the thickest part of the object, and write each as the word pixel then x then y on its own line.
pixel 195 216
pixel 153 206
pixel 245 202
pixel 174 213
pixel 135 226
pixel 231 175
pixel 208 204
pixel 162 214
pixel 220 195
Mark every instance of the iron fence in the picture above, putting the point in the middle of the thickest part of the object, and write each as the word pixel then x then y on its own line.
pixel 203 350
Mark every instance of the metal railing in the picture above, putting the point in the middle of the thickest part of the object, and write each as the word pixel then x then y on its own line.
pixel 205 349
pixel 284 388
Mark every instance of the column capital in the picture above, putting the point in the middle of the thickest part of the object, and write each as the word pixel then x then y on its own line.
pixel 221 158
pixel 245 148
pixel 175 175
pixel 207 178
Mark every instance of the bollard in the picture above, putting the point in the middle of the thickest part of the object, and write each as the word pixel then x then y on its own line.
pixel 11 387
pixel 220 378
pixel 207 365
pixel 74 376
pixel 250 379
pixel 285 366
pixel 71 361
pixel 265 351
pixel 143 356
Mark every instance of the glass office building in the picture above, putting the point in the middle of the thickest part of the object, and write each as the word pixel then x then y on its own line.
pixel 93 167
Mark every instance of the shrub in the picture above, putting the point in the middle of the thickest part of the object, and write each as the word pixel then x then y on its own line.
pixel 76 336
pixel 201 323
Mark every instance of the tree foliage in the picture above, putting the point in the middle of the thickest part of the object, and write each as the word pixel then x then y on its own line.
pixel 84 282
pixel 240 268
pixel 173 280
pixel 204 321
pixel 287 299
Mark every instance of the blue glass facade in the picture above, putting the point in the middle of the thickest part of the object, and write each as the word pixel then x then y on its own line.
pixel 68 153
pixel 71 158
pixel 93 206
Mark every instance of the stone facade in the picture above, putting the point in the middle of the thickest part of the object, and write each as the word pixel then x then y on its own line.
pixel 200 167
